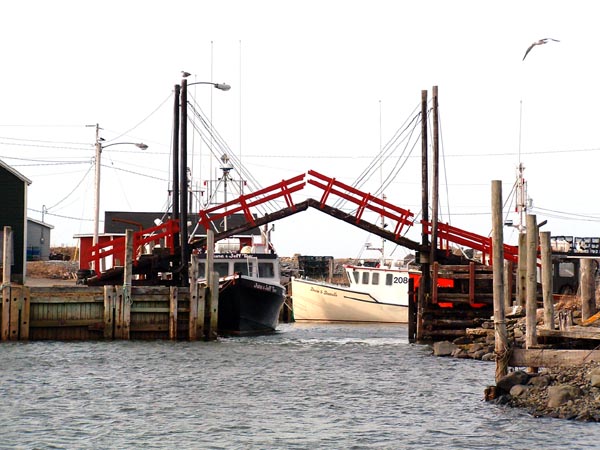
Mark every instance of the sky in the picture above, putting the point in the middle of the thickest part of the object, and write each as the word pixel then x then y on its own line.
pixel 319 85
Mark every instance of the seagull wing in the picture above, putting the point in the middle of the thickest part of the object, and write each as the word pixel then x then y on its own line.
pixel 529 49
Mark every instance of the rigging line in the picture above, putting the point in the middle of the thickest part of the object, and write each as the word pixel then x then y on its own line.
pixel 133 172
pixel 216 140
pixel 395 170
pixel 72 190
pixel 223 147
pixel 445 167
pixel 386 149
pixel 359 183
pixel 387 153
pixel 263 207
pixel 144 119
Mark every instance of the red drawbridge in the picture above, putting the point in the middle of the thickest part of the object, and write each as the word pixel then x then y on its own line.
pixel 401 219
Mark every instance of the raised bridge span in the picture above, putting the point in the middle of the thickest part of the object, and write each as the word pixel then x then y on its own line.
pixel 399 218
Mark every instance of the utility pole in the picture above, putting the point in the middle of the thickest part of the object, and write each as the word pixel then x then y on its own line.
pixel 436 179
pixel 424 287
pixel 97 188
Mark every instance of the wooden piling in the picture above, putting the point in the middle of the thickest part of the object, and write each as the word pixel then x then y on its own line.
pixel 211 303
pixel 531 285
pixel 6 295
pixel 213 307
pixel 501 339
pixel 109 312
pixel 173 300
pixel 546 253
pixel 201 294
pixel 588 288
pixel 508 283
pixel 24 314
pixel 522 271
pixel 193 315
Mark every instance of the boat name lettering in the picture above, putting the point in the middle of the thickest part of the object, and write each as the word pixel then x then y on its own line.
pixel 264 287
pixel 400 280
pixel 231 256
pixel 323 291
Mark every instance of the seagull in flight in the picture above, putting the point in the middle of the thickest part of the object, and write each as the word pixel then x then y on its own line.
pixel 540 42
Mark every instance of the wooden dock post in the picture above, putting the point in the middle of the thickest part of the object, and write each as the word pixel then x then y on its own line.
pixel 212 292
pixel 546 252
pixel 213 307
pixel 531 291
pixel 19 313
pixel 522 271
pixel 588 288
pixel 124 301
pixel 6 266
pixel 173 300
pixel 508 283
pixel 193 315
pixel 109 312
pixel 501 339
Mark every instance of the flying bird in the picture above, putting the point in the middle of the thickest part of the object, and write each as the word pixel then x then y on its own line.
pixel 185 74
pixel 540 42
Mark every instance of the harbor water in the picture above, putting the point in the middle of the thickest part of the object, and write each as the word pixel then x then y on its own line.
pixel 304 387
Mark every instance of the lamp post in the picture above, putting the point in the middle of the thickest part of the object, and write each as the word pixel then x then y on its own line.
pixel 99 148
pixel 183 178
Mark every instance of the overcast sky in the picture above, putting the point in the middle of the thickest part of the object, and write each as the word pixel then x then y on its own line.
pixel 315 85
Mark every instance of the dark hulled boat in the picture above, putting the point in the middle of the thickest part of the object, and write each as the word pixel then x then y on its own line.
pixel 250 291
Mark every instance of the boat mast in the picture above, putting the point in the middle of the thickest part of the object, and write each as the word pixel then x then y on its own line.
pixel 383 197
pixel 521 185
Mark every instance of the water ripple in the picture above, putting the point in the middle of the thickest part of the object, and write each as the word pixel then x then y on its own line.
pixel 304 387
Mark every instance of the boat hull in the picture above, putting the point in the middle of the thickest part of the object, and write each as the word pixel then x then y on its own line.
pixel 248 306
pixel 318 302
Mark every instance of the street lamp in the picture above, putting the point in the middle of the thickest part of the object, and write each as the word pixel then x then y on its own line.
pixel 99 148
pixel 180 174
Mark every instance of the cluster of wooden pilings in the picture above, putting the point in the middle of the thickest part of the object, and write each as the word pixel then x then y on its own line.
pixel 107 312
pixel 534 355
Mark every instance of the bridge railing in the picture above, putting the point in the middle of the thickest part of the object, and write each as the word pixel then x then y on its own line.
pixel 116 248
pixel 284 189
pixel 364 201
pixel 447 233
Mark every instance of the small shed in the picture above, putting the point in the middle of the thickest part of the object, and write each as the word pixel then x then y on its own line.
pixel 13 213
pixel 38 240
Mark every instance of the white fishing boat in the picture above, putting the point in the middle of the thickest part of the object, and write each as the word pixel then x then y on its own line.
pixel 375 293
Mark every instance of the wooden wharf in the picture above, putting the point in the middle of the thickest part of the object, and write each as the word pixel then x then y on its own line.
pixel 107 312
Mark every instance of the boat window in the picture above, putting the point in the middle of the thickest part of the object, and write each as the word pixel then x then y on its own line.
pixel 566 269
pixel 222 268
pixel 265 270
pixel 201 270
pixel 365 278
pixel 375 278
pixel 243 267
pixel 389 278
pixel 355 275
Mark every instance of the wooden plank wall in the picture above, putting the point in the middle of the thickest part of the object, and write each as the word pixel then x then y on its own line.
pixel 108 312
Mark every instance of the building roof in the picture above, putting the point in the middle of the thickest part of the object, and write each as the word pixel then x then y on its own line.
pixel 14 172
pixel 44 224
